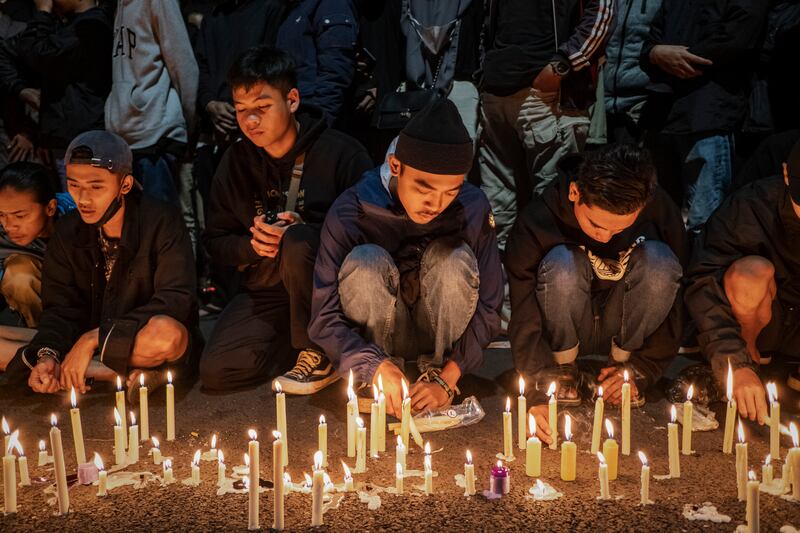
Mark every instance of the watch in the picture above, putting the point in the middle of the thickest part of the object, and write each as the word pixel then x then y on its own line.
pixel 560 68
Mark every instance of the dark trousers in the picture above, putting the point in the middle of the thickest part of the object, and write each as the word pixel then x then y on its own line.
pixel 249 344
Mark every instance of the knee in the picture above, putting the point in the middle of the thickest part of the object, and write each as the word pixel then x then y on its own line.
pixel 163 339
pixel 449 264
pixel 747 281
pixel 565 269
pixel 213 375
pixel 368 265
pixel 658 266
pixel 299 246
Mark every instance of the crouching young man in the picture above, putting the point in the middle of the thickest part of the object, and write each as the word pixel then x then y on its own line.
pixel 408 267
pixel 594 268
pixel 118 286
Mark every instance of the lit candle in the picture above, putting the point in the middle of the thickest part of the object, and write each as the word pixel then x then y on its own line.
pixel 793 458
pixel 644 491
pixel 469 476
pixel 688 413
pixel 196 468
pixel 213 451
pixel 168 475
pixel 22 461
pixel 405 421
pixel 752 509
pixel 568 452
pixel 522 409
pixel 766 470
pixel 10 476
pixel 156 451
pixel 120 397
pixel 348 478
pixel 398 478
pixel 254 474
pixel 119 438
pixel 552 415
pixel 277 477
pixel 374 416
pixel 428 467
pixel 602 475
pixel 500 480
pixel 508 447
pixel 77 429
pixel 133 440
pixel 381 416
pixel 672 445
pixel 626 414
pixel 400 452
pixel 170 407
pixel 280 408
pixel 102 476
pixel 361 446
pixel 533 451
pixel 44 459
pixel 774 421
pixel 352 413
pixel 144 410
pixel 730 414
pixel 60 471
pixel 611 451
pixel 741 465
pixel 6 432
pixel 221 468
pixel 322 439
pixel 599 407
pixel 317 488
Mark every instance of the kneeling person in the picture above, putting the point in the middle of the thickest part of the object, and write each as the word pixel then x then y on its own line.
pixel 118 281
pixel 408 267
pixel 594 268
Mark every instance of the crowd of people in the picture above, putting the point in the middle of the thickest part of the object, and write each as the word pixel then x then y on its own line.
pixel 387 186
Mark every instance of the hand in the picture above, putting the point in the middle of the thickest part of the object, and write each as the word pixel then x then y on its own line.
pixel 73 369
pixel 44 376
pixel 32 97
pixel 426 396
pixel 266 237
pixel 678 61
pixel 367 104
pixel 547 80
pixel 541 413
pixel 44 5
pixel 222 115
pixel 392 386
pixel 750 396
pixel 611 379
pixel 21 148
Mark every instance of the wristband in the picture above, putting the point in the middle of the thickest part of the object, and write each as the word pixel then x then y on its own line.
pixel 46 352
pixel 435 377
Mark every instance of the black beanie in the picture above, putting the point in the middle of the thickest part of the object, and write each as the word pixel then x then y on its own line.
pixel 435 140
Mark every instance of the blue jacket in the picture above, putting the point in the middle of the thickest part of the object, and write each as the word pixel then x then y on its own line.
pixel 367 213
pixel 321 37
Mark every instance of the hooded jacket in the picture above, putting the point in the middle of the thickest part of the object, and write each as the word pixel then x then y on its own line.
pixel 549 221
pixel 757 220
pixel 153 275
pixel 249 182
pixel 369 213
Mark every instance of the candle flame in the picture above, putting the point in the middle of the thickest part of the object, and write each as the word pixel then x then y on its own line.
pixel 308 482
pixel 772 392
pixel 169 377
pixel 690 393
pixel 375 392
pixel 141 379
pixel 6 429
pixel 13 442
pixel 326 480
pixel 246 482
pixel 133 418
pixel 196 458
pixel 601 457
pixel 499 464
pixel 751 475
pixel 729 384
pixel 521 386
pixel 117 418
pixel 625 376
pixel 793 431
pixel 568 427
pixel 741 431
pixel 347 474
pixel 642 458
pixel 350 381
pixel 98 462
pixel 609 429
pixel 469 457
pixel 119 383
pixel 540 486
pixel 532 425
pixel 213 441
pixel 167 464
pixel 427 448
pixel 318 460
pixel 673 414
pixel 42 446
pixel 508 404
pixel 767 460
pixel 156 444
pixel 321 419
pixel 600 391
pixel 405 388
pixel 220 457
pixel 73 399
pixel 276 435
pixel 287 478
pixel 252 434
pixel 551 390
pixel 380 383
pixel 277 386
pixel 359 422
pixel 246 459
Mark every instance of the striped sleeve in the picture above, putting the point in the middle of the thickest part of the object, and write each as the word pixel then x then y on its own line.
pixel 589 38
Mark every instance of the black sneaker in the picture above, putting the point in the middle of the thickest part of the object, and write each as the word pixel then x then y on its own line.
pixel 312 372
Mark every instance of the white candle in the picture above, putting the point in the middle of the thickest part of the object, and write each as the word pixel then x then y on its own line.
pixel 741 466
pixel 254 474
pixel 120 397
pixel 44 459
pixel 644 490
pixel 221 469
pixel 405 421
pixel 774 421
pixel 133 440
pixel 428 467
pixel 361 446
pixel 688 413
pixel 381 416
pixel 793 458
pixel 348 478
pixel 626 414
pixel 169 477
pixel 280 411
pixel 277 477
pixel 170 408
pixel 77 429
pixel 102 476
pixel 374 416
pixel 156 451
pixel 522 409
pixel 599 407
pixel 60 471
pixel 144 410
pixel 766 470
pixel 10 476
pixel 730 414
pixel 672 445
pixel 602 475
pixel 196 468
pixel 611 451
pixel 469 476
pixel 552 415
pixel 352 413
pixel 24 473
pixel 400 452
pixel 322 439
pixel 508 447
pixel 317 487
pixel 752 510
pixel 398 478
pixel 119 438
pixel 213 451
pixel 533 451
pixel 569 452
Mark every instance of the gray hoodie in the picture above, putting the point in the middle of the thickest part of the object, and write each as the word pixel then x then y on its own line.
pixel 154 74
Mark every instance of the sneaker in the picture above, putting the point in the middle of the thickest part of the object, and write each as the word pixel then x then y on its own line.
pixel 313 372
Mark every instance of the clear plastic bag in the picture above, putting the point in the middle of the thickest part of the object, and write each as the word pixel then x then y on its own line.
pixel 466 413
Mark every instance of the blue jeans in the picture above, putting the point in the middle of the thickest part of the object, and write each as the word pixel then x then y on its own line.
pixel 369 282
pixel 709 164
pixel 619 316
pixel 158 175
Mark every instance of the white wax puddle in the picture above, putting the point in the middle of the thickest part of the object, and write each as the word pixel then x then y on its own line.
pixel 705 512
pixel 543 492
pixel 504 458
pixel 461 481
pixel 788 528
pixel 703 419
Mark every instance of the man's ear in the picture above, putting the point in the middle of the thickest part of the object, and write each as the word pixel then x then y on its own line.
pixel 574 193
pixel 293 97
pixel 395 166
pixel 51 207
pixel 126 185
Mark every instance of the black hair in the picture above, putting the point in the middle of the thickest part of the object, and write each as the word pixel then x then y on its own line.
pixel 619 178
pixel 263 64
pixel 23 176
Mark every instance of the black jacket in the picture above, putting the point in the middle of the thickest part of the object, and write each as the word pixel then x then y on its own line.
pixel 72 61
pixel 549 221
pixel 153 275
pixel 757 220
pixel 728 33
pixel 249 182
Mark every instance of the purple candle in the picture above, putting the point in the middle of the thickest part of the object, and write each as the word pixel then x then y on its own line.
pixel 500 480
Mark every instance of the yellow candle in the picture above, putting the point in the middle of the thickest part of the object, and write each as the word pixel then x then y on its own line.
pixel 120 398
pixel 398 478
pixel 381 416
pixel 672 445
pixel 24 473
pixel 277 479
pixel 322 439
pixel 405 421
pixel 508 447
pixel 602 475
pixel 774 421
pixel 568 453
pixel 170 408
pixel 254 475
pixel 599 407
pixel 644 490
pixel 469 476
pixel 533 452
pixel 428 466
pixel 119 439
pixel 10 476
pixel 730 415
pixel 221 469
pixel 626 415
pixel 611 451
pixel 793 458
pixel 374 416
pixel 156 451
pixel 196 468
pixel 766 470
pixel 552 415
pixel 741 466
pixel 77 429
pixel 400 452
pixel 348 478
pixel 43 457
pixel 60 471
pixel 102 476
pixel 280 412
pixel 352 413
pixel 752 511
pixel 168 474
pixel 522 409
pixel 133 440
pixel 317 487
pixel 361 446
pixel 688 413
pixel 144 411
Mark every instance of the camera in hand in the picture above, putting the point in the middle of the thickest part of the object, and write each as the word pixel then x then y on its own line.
pixel 271 217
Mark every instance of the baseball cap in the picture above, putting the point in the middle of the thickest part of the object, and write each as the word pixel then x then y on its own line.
pixel 101 149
